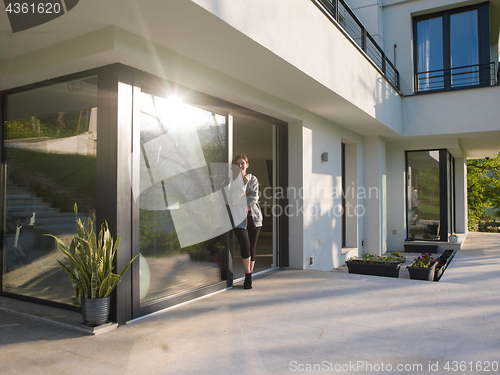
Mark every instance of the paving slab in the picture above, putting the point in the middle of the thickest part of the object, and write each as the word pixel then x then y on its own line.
pixel 292 321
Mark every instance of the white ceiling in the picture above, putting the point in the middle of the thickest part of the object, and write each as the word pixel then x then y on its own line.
pixel 190 30
pixel 186 28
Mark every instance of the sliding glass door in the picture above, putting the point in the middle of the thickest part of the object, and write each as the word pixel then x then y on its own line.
pixel 181 171
pixel 180 157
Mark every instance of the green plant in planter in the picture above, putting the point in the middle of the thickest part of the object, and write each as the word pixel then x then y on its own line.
pixel 375 265
pixel 90 261
pixel 424 260
pixel 371 258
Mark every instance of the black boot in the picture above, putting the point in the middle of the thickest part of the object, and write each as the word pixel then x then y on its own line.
pixel 248 281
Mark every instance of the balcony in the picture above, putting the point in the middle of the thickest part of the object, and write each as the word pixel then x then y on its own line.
pixel 479 75
pixel 340 14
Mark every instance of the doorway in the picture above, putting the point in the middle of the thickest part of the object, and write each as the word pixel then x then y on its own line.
pixel 256 138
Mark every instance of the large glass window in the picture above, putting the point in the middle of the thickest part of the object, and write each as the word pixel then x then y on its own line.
pixel 423 188
pixel 452 49
pixel 430 195
pixel 183 148
pixel 50 137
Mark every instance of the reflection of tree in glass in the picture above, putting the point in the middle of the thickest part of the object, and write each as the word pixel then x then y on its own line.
pixel 428 192
pixel 158 238
pixel 483 189
pixel 428 185
pixel 158 235
pixel 58 125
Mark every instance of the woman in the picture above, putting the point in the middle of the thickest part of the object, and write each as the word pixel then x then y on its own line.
pixel 247 229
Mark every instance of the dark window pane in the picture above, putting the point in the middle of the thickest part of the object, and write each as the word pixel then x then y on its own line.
pixel 50 163
pixel 430 54
pixel 423 195
pixel 181 150
pixel 464 48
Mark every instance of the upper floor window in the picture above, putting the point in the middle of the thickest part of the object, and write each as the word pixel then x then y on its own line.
pixel 451 49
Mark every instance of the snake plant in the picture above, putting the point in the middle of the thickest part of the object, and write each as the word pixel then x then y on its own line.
pixel 90 260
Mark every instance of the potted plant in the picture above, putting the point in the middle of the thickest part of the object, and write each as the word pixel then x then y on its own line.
pixel 375 265
pixel 423 268
pixel 453 238
pixel 90 267
pixel 399 256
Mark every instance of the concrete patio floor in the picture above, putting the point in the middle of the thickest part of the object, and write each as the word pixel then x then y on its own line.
pixel 292 321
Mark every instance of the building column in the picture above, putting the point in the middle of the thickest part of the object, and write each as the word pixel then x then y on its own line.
pixel 295 199
pixel 461 217
pixel 374 195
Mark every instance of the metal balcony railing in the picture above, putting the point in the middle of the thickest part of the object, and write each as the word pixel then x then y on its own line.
pixel 340 12
pixel 478 75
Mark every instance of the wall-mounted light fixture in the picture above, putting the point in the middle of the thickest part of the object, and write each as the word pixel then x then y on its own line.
pixel 324 157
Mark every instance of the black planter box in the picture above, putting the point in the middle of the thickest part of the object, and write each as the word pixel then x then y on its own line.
pixel 445 260
pixel 438 272
pixel 419 248
pixel 448 254
pixel 422 273
pixel 373 269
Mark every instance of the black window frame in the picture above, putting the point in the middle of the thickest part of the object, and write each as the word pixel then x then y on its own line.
pixel 483 14
pixel 447 197
pixel 97 72
pixel 116 84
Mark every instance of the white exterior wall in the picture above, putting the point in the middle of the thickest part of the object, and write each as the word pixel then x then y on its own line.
pixel 322 201
pixel 375 217
pixel 301 35
pixel 353 183
pixel 396 214
pixel 296 179
pixel 454 112
pixel 371 16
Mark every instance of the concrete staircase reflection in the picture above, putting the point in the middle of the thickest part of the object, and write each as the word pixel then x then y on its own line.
pixel 31 262
pixel 22 204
